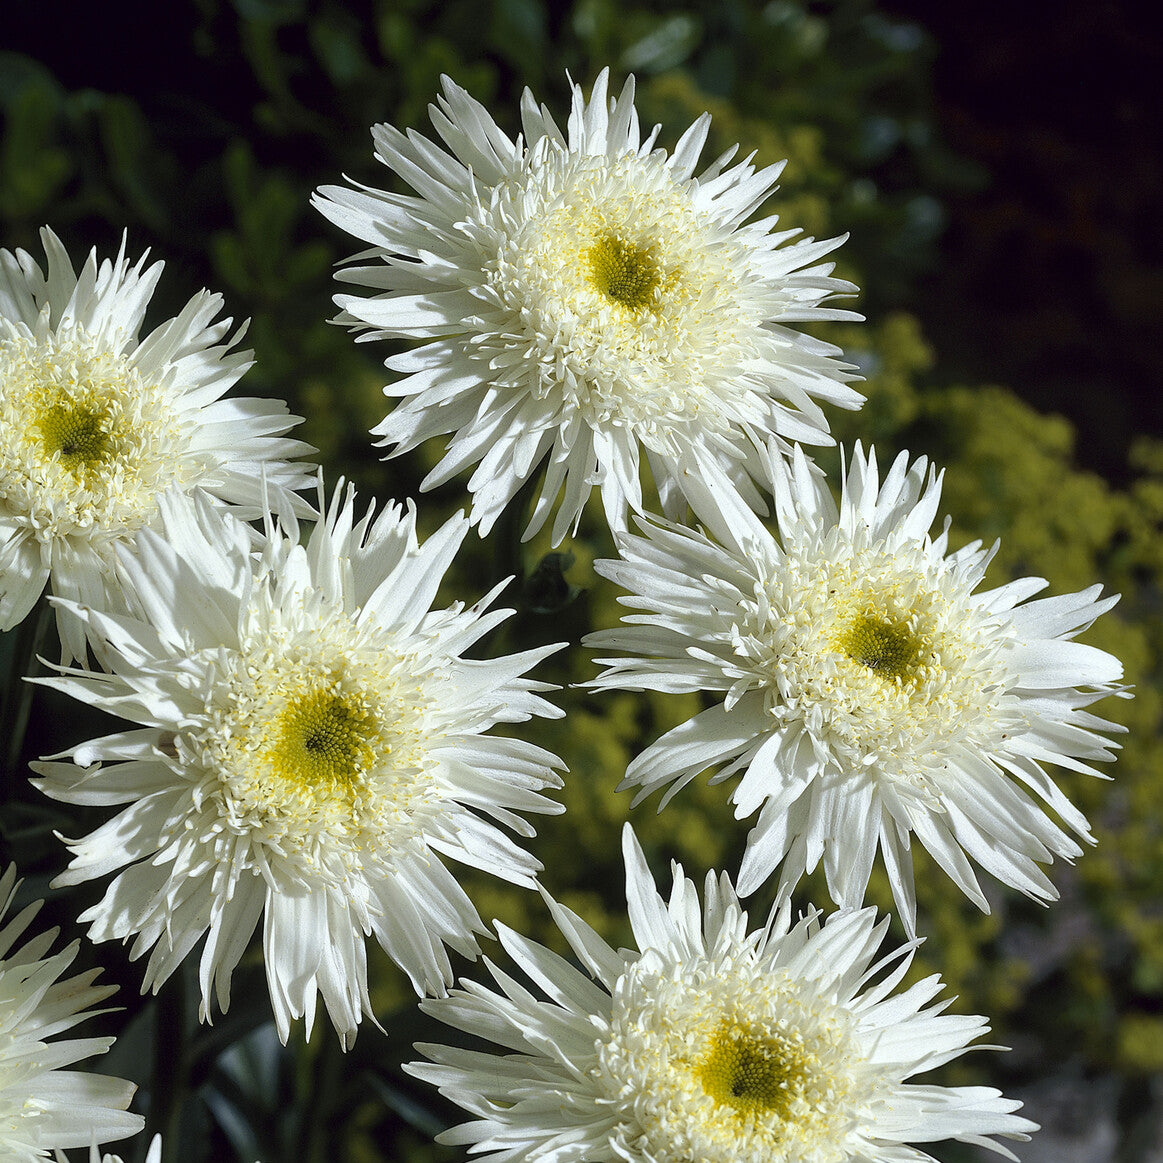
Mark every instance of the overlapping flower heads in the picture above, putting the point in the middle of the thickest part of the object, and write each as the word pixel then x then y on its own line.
pixel 95 424
pixel 582 297
pixel 311 742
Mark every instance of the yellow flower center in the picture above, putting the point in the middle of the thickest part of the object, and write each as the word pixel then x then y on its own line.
pixel 890 649
pixel 626 273
pixel 723 1060
pixel 86 443
pixel 80 433
pixel 753 1076
pixel 319 744
pixel 324 742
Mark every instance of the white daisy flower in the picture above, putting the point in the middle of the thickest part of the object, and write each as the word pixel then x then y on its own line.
pixel 868 692
pixel 713 1043
pixel 95 423
pixel 312 744
pixel 43 1107
pixel 581 295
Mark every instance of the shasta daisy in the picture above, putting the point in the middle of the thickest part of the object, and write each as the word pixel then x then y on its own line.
pixel 311 744
pixel 868 692
pixel 95 423
pixel 580 297
pixel 709 1042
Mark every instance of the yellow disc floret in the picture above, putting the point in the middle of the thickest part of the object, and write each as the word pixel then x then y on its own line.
pixel 87 443
pixel 728 1062
pixel 751 1075
pixel 80 433
pixel 889 648
pixel 624 272
pixel 318 746
pixel 325 742
pixel 880 657
pixel 634 304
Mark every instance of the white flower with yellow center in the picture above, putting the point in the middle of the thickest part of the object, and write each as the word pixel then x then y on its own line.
pixel 96 423
pixel 42 1107
pixel 581 297
pixel 312 744
pixel 712 1043
pixel 868 693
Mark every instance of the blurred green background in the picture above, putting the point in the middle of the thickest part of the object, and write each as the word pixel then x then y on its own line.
pixel 991 168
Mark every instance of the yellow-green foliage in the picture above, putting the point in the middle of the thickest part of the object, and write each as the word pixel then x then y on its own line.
pixel 673 101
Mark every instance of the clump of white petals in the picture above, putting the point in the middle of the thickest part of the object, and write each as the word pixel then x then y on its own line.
pixel 311 744
pixel 868 692
pixel 95 424
pixel 153 1155
pixel 582 296
pixel 42 1106
pixel 709 1042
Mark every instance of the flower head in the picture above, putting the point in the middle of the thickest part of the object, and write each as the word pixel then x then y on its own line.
pixel 96 423
pixel 868 692
pixel 43 1107
pixel 581 297
pixel 710 1042
pixel 312 743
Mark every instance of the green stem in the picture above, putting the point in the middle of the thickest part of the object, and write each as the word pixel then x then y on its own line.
pixel 17 702
pixel 169 1067
pixel 329 1069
